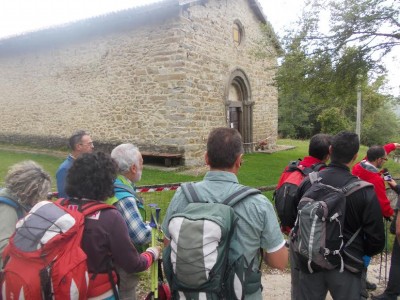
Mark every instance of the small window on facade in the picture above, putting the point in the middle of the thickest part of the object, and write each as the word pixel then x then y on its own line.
pixel 237 33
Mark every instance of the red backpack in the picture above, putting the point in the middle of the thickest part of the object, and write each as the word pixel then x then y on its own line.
pixel 44 258
pixel 286 191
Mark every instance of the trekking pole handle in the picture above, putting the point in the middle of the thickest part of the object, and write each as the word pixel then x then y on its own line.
pixel 153 221
pixel 158 210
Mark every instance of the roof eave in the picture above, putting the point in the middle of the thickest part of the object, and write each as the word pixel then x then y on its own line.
pixel 256 6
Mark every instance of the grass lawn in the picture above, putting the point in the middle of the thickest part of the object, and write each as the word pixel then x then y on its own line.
pixel 259 169
pixel 8 158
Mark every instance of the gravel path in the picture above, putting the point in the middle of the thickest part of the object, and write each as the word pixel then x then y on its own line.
pixel 277 283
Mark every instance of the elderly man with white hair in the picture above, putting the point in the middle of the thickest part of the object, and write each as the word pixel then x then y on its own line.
pixel 130 205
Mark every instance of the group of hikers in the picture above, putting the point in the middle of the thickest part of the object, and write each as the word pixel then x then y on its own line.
pixel 334 255
pixel 92 241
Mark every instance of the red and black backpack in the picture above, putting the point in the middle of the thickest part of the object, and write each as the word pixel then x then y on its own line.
pixel 44 258
pixel 286 190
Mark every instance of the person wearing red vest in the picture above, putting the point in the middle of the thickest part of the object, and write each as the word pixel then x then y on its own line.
pixel 369 170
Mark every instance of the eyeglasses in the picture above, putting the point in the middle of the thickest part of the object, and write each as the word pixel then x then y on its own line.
pixel 87 144
pixel 241 162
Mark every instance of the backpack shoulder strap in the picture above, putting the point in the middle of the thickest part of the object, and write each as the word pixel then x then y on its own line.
pixel 353 237
pixel 318 166
pixel 9 202
pixel 314 177
pixel 88 208
pixel 124 187
pixel 306 170
pixel 314 168
pixel 355 186
pixel 192 196
pixel 239 195
pixel 190 192
pixel 92 207
pixel 348 190
pixel 293 165
pixel 12 203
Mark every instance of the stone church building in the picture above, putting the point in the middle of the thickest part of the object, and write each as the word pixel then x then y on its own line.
pixel 160 76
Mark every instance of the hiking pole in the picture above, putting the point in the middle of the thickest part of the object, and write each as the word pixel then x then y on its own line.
pixel 156 263
pixel 386 251
pixel 158 216
pixel 154 266
pixel 380 265
pixel 380 269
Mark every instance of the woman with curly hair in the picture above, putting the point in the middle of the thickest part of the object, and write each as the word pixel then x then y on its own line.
pixel 105 238
pixel 26 183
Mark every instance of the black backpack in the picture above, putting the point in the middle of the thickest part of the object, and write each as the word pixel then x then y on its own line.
pixel 317 237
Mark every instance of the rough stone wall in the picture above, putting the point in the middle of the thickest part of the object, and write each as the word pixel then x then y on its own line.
pixel 211 58
pixel 159 84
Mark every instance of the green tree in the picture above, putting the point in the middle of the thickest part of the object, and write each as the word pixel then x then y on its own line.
pixel 380 128
pixel 308 85
pixel 294 117
pixel 295 109
pixel 333 121
pixel 372 25
pixel 320 73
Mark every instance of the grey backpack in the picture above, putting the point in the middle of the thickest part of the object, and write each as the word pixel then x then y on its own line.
pixel 317 236
pixel 204 258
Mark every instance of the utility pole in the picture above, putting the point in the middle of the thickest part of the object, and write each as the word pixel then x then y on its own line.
pixel 358 121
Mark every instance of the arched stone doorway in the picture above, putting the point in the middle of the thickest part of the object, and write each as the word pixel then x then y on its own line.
pixel 239 107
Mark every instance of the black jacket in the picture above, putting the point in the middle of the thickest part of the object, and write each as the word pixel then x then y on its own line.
pixel 362 210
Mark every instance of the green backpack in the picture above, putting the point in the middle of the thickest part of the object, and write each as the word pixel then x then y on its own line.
pixel 204 255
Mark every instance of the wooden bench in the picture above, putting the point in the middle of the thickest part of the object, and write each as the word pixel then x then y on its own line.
pixel 170 159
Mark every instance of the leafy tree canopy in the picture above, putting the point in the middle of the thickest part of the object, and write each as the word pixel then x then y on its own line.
pixel 371 25
pixel 322 70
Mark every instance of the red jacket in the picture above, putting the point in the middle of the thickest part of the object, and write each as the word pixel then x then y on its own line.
pixel 376 179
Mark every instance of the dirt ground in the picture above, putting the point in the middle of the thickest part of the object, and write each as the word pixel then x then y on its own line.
pixel 277 284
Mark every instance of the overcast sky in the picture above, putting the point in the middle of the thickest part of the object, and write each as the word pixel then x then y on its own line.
pixel 19 16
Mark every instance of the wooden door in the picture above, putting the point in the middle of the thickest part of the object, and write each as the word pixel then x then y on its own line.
pixel 234 118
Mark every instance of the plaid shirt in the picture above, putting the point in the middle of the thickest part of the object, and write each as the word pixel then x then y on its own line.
pixel 139 232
